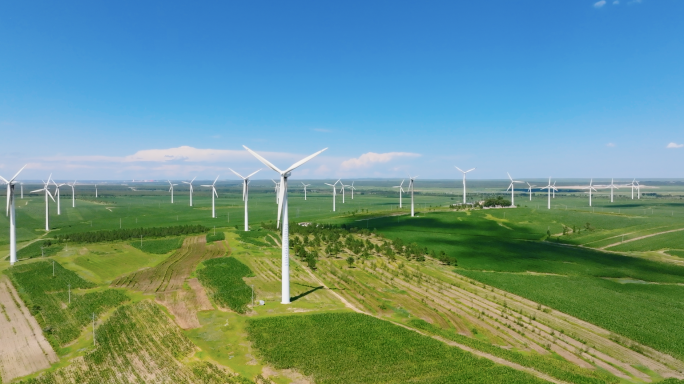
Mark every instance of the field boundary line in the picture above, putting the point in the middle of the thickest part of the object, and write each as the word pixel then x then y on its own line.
pixel 641 238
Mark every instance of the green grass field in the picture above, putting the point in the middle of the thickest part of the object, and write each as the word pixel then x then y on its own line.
pixel 158 246
pixel 354 348
pixel 223 278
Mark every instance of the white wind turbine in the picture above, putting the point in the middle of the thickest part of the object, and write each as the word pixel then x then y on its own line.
pixel 411 186
pixel 464 181
pixel 73 194
pixel 59 204
pixel 529 190
pixel 171 189
pixel 21 185
pixel 352 189
pixel 190 184
pixel 277 185
pixel 305 185
pixel 283 213
pixel 12 215
pixel 553 196
pixel 334 192
pixel 342 190
pixel 213 194
pixel 633 185
pixel 638 187
pixel 512 188
pixel 590 188
pixel 245 194
pixel 401 190
pixel 47 205
pixel 612 186
pixel 550 188
pixel 96 191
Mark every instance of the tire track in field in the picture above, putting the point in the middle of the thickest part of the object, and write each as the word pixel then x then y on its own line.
pixel 641 237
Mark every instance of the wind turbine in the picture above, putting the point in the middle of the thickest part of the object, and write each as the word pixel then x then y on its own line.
pixel 638 186
pixel 47 205
pixel 276 190
pixel 512 188
pixel 334 192
pixel 213 193
pixel 59 205
pixel 245 194
pixel 21 185
pixel 352 189
pixel 612 186
pixel 305 185
pixel 96 191
pixel 12 215
pixel 553 196
pixel 282 213
pixel 171 190
pixel 632 184
pixel 550 188
pixel 401 190
pixel 464 183
pixel 590 188
pixel 411 186
pixel 530 189
pixel 342 190
pixel 73 194
pixel 190 184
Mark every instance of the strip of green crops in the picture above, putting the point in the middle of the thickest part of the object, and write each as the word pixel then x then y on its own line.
pixel 560 369
pixel 38 249
pixel 355 348
pixel 223 278
pixel 620 308
pixel 45 294
pixel 159 246
pixel 211 237
pixel 254 237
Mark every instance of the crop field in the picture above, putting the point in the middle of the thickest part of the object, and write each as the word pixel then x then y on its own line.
pixel 354 348
pixel 224 278
pixel 158 246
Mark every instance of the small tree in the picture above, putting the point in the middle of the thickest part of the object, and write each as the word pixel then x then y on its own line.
pixel 350 261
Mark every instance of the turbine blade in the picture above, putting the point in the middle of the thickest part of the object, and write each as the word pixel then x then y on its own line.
pixel 50 194
pixel 9 191
pixel 237 174
pixel 266 162
pixel 5 180
pixel 304 160
pixel 37 190
pixel 281 196
pixel 459 169
pixel 17 174
pixel 214 189
pixel 254 173
pixel 509 176
pixel 244 189
pixel 471 169
pixel 214 183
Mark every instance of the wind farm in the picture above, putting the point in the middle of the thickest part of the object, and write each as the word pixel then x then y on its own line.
pixel 324 193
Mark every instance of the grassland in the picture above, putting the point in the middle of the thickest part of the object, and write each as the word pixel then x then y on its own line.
pixel 39 248
pixel 224 279
pixel 354 348
pixel 158 246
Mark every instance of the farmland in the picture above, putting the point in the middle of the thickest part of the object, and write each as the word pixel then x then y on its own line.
pixel 224 277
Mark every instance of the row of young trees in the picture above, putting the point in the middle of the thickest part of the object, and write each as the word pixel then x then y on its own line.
pixel 128 234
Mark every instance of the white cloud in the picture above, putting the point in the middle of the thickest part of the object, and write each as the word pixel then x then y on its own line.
pixel 599 4
pixel 322 130
pixel 616 2
pixel 610 145
pixel 370 158
pixel 674 145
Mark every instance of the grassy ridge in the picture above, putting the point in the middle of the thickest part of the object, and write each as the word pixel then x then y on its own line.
pixel 355 348
pixel 620 308
pixel 158 246
pixel 560 369
pixel 223 278
pixel 44 295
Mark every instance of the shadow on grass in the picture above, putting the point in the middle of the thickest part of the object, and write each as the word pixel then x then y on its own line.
pixel 310 291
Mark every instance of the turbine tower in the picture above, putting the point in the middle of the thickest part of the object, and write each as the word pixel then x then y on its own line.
pixel 171 189
pixel 590 188
pixel 512 188
pixel 21 185
pixel 553 196
pixel 73 194
pixel 47 205
pixel 213 193
pixel 633 185
pixel 550 188
pixel 401 190
pixel 245 194
pixel 305 185
pixel 282 213
pixel 612 186
pixel 96 191
pixel 638 186
pixel 411 186
pixel 59 204
pixel 276 190
pixel 334 192
pixel 464 183
pixel 352 189
pixel 190 184
pixel 529 190
pixel 342 190
pixel 12 215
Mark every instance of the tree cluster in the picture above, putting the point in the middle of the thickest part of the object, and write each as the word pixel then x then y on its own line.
pixel 497 201
pixel 128 234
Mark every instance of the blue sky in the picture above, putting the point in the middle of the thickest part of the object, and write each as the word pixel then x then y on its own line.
pixel 120 90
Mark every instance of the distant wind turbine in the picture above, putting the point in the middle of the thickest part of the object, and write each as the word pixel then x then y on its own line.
pixel 342 190
pixel 73 194
pixel 334 192
pixel 213 194
pixel 277 185
pixel 352 189
pixel 12 215
pixel 633 185
pixel 638 190
pixel 590 188
pixel 47 205
pixel 305 185
pixel 550 188
pixel 530 189
pixel 283 213
pixel 464 181
pixel 96 191
pixel 612 186
pixel 401 190
pixel 21 185
pixel 59 204
pixel 512 188
pixel 553 196
pixel 189 183
pixel 171 189
pixel 411 187
pixel 245 194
